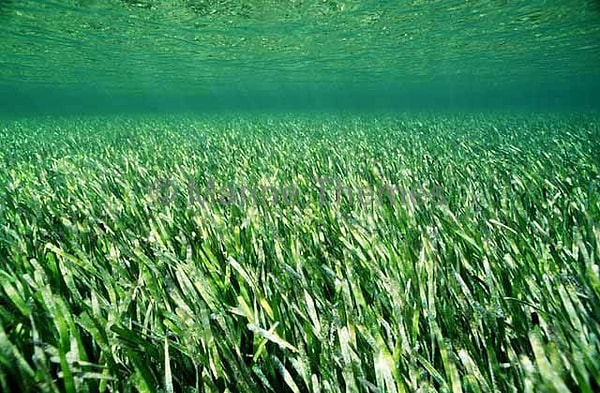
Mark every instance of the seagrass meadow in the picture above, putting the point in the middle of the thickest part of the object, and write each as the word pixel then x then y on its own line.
pixel 299 196
pixel 128 264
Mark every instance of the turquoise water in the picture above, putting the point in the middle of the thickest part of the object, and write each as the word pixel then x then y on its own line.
pixel 194 55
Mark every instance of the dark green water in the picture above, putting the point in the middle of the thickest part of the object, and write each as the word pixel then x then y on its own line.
pixel 266 55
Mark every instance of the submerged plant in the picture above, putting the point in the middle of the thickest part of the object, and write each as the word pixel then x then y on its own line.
pixel 482 276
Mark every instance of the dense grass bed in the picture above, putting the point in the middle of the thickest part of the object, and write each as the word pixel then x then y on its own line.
pixel 259 255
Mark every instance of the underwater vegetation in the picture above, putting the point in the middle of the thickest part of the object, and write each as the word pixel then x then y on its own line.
pixel 481 276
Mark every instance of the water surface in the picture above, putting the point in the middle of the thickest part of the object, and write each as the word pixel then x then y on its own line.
pixel 194 54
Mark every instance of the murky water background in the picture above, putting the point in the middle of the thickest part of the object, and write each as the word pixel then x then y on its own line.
pixel 265 54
